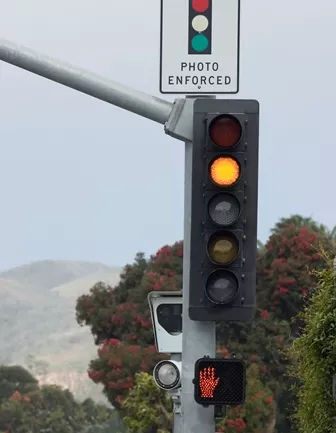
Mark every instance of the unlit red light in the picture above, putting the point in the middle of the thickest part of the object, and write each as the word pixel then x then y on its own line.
pixel 225 131
pixel 225 171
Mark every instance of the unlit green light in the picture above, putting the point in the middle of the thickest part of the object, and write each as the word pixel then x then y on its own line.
pixel 199 43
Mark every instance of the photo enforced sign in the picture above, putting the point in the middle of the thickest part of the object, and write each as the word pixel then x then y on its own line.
pixel 199 46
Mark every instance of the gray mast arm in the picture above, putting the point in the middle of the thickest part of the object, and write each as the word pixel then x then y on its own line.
pixel 172 115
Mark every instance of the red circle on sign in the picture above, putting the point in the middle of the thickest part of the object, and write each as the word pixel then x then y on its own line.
pixel 200 5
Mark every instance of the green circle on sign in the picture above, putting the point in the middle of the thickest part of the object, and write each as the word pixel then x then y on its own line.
pixel 199 43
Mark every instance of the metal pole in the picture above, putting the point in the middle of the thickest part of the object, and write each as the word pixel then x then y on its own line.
pixel 176 396
pixel 137 102
pixel 198 338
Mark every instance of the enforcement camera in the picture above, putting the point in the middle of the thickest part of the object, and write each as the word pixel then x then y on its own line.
pixel 166 312
pixel 167 374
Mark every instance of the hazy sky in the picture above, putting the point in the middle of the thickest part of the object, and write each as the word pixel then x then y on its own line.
pixel 81 179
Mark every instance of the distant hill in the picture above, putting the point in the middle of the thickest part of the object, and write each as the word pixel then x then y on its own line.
pixel 46 274
pixel 37 317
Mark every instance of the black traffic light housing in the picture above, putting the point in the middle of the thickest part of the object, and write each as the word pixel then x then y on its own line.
pixel 223 244
pixel 220 381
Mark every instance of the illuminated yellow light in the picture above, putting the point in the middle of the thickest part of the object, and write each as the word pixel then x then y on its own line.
pixel 225 171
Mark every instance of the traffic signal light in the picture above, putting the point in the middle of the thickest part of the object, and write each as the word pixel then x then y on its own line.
pixel 200 20
pixel 223 243
pixel 220 381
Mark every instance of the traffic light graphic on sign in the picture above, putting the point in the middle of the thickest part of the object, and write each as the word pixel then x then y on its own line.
pixel 223 244
pixel 200 23
pixel 220 381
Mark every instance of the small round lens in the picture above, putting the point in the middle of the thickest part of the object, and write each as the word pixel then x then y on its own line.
pixel 224 209
pixel 225 171
pixel 223 248
pixel 167 374
pixel 222 287
pixel 225 131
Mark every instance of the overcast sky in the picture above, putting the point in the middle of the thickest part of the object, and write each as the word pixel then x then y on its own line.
pixel 83 180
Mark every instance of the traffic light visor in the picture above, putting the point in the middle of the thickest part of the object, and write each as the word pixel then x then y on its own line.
pixel 220 381
pixel 224 209
pixel 225 171
pixel 225 130
pixel 221 287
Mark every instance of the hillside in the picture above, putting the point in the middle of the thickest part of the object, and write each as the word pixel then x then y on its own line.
pixel 37 310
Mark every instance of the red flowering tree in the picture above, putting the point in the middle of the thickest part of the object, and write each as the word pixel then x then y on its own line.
pixel 120 320
pixel 284 270
pixel 117 365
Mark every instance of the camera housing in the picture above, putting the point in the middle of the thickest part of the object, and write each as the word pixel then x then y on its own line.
pixel 166 312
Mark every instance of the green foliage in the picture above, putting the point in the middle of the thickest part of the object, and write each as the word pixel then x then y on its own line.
pixel 15 378
pixel 147 406
pixel 27 408
pixel 314 359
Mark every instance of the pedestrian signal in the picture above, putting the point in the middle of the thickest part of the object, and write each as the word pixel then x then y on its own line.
pixel 220 381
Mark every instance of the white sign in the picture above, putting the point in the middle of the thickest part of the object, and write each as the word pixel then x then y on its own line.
pixel 199 46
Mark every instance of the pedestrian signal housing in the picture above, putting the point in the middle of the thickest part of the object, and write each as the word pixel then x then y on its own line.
pixel 220 381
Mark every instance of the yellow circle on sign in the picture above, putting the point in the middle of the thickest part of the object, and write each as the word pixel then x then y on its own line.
pixel 225 171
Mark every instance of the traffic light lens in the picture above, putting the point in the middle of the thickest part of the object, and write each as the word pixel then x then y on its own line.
pixel 223 248
pixel 225 171
pixel 224 209
pixel 222 287
pixel 225 131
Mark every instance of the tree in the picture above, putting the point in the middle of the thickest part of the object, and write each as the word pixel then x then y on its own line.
pixel 260 247
pixel 15 378
pixel 285 283
pixel 314 361
pixel 147 407
pixel 117 365
pixel 284 277
pixel 27 408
